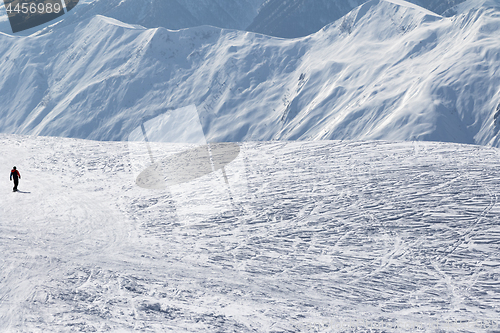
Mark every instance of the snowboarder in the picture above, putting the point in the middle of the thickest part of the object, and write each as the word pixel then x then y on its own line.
pixel 14 174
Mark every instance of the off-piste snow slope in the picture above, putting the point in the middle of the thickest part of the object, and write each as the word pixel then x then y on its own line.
pixel 330 236
pixel 387 70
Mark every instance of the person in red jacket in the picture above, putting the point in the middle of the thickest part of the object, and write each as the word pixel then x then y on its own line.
pixel 14 174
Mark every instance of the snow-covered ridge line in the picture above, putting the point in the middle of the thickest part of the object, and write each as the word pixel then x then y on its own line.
pixel 390 72
pixel 412 5
pixel 171 14
pixel 278 18
pixel 296 18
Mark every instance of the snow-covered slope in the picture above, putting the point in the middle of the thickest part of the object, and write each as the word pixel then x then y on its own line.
pixel 385 71
pixel 327 237
pixel 298 18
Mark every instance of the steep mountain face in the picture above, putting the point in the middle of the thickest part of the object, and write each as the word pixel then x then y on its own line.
pixel 298 18
pixel 384 71
pixel 170 14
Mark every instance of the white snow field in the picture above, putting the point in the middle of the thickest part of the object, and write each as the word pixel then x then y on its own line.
pixel 330 236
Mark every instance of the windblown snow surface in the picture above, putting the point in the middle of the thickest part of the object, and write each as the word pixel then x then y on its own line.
pixel 331 236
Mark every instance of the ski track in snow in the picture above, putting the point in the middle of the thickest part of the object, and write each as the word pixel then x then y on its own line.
pixel 326 237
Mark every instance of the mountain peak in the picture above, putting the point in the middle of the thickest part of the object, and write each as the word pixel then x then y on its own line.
pixel 299 18
pixel 413 6
pixel 114 22
pixel 383 19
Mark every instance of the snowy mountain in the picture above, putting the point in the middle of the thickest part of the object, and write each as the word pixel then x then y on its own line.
pixel 321 237
pixel 384 71
pixel 268 236
pixel 298 18
pixel 171 14
pixel 178 14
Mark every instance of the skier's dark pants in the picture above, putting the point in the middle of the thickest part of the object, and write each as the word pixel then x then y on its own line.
pixel 16 182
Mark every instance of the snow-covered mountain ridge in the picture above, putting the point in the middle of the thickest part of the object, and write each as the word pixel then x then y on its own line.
pixel 384 71
pixel 171 14
pixel 277 18
pixel 297 18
